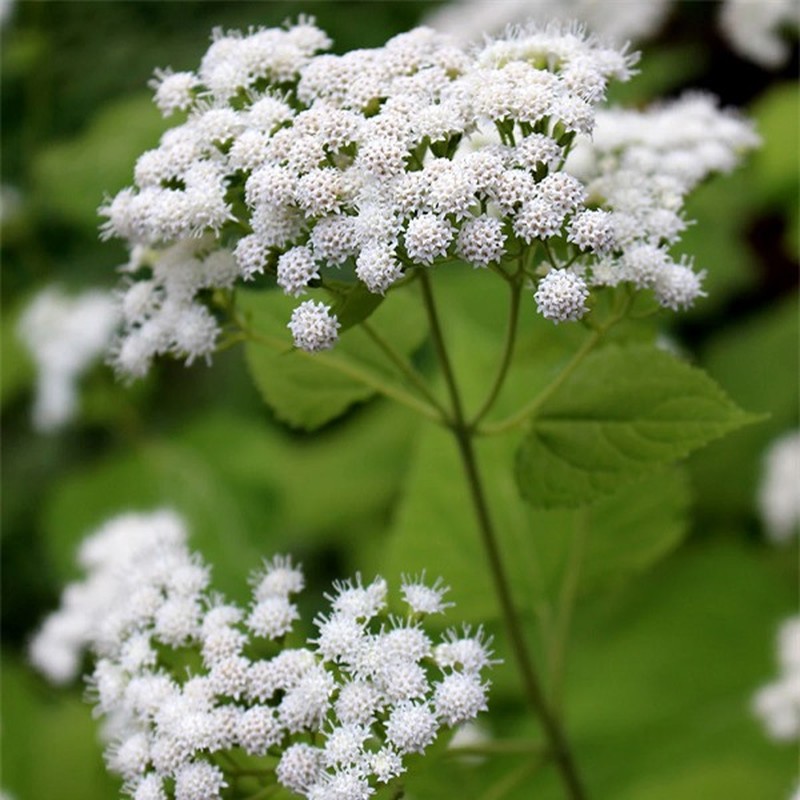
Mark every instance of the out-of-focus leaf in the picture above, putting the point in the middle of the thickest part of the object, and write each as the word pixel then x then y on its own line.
pixel 16 366
pixel 756 362
pixel 622 412
pixel 227 525
pixel 73 177
pixel 307 390
pixel 720 211
pixel 776 164
pixel 41 727
pixel 662 675
pixel 246 489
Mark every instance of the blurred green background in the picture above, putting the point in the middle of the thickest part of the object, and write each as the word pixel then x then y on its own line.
pixel 662 667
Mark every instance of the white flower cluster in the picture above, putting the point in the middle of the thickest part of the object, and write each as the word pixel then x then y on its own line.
pixel 754 29
pixel 65 336
pixel 778 703
pixel 639 166
pixel 619 20
pixel 386 161
pixel 779 490
pixel 370 689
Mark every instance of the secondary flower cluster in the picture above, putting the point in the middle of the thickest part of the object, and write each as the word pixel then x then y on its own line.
pixel 778 703
pixel 65 336
pixel 385 161
pixel 183 676
pixel 778 497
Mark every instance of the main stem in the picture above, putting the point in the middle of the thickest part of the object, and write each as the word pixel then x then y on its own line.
pixel 463 434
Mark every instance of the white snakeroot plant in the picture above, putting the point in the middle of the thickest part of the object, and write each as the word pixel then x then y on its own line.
pixel 184 678
pixel 351 184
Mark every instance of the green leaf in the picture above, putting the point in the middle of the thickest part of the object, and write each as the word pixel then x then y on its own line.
pixel 353 302
pixel 307 390
pixel 660 685
pixel 227 524
pixel 435 529
pixel 621 413
pixel 42 723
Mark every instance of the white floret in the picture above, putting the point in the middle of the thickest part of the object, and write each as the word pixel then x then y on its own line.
pixel 561 296
pixel 313 327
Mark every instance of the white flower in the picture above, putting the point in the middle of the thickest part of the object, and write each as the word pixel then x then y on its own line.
pixel 424 599
pixel 313 327
pixel 411 727
pixel 299 767
pixel 778 495
pixel 459 697
pixel 65 336
pixel 179 677
pixel 778 703
pixel 199 781
pixel 561 296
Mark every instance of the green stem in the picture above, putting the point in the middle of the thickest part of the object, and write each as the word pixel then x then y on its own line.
pixel 591 342
pixel 530 408
pixel 566 606
pixel 558 745
pixel 508 351
pixel 405 367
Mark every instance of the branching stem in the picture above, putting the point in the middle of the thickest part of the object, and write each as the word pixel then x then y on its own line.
pixel 557 743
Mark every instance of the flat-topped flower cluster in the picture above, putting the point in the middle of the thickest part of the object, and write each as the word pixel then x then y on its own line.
pixel 385 161
pixel 183 676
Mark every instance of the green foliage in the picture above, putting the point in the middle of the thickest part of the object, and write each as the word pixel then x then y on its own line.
pixel 308 390
pixel 757 363
pixel 73 176
pixel 619 414
pixel 435 529
pixel 49 743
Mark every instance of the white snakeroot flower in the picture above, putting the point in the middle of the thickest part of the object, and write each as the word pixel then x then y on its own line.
pixel 272 617
pixel 753 28
pixel 278 577
pixel 778 703
pixel 296 269
pixel 199 781
pixel 459 697
pixel 296 162
pixel 561 296
pixel 300 767
pixel 778 495
pixel 65 336
pixel 411 727
pixel 179 680
pixel 313 327
pixel 424 599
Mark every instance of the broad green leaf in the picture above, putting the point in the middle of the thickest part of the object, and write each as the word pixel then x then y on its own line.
pixel 353 302
pixel 247 489
pixel 435 529
pixel 307 390
pixel 660 680
pixel 621 413
pixel 50 741
pixel 228 525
